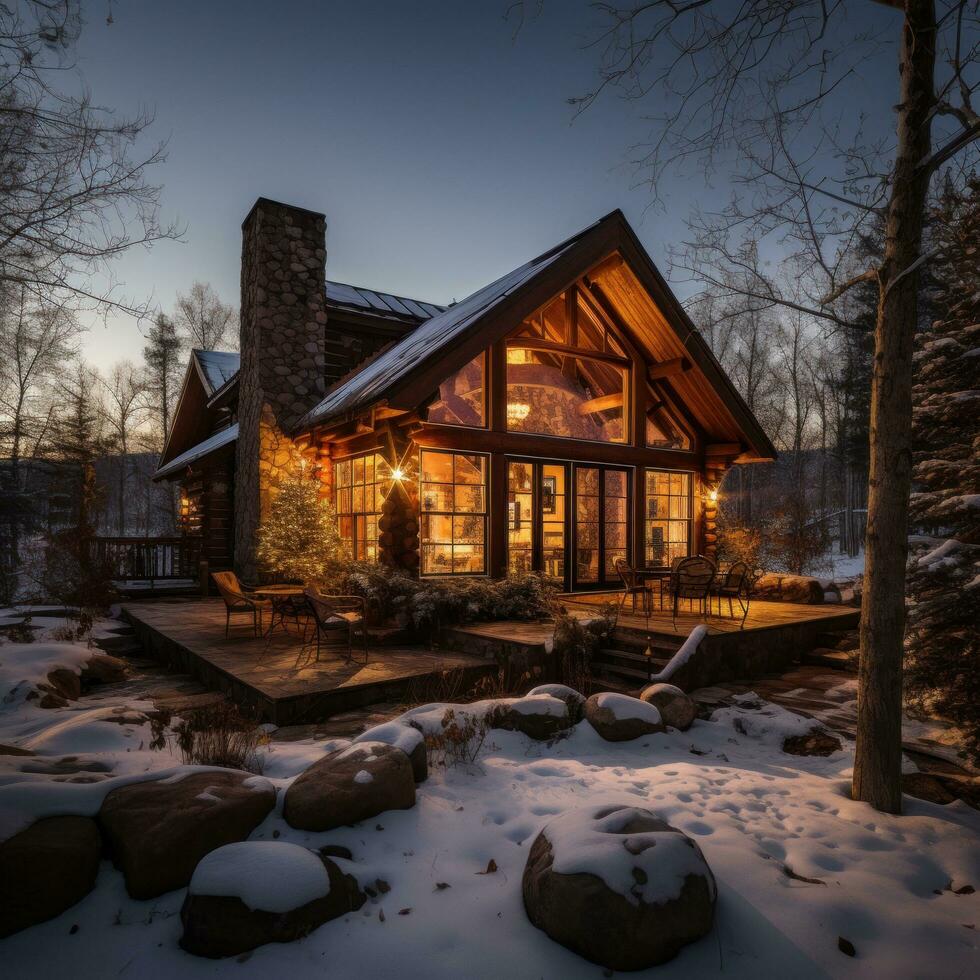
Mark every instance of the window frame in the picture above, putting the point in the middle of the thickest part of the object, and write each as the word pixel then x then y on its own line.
pixel 363 514
pixel 648 521
pixel 454 513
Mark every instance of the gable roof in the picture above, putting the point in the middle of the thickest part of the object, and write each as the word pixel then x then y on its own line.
pixel 427 342
pixel 217 367
pixel 213 443
pixel 403 375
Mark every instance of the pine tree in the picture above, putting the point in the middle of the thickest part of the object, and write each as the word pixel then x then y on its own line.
pixel 299 540
pixel 943 650
pixel 162 356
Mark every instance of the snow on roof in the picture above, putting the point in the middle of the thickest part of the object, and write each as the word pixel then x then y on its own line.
pixel 209 445
pixel 217 367
pixel 360 298
pixel 426 341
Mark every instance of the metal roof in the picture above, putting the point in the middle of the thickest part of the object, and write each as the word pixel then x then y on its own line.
pixel 372 300
pixel 371 382
pixel 218 367
pixel 202 449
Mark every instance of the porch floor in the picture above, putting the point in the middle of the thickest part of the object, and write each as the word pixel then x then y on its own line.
pixel 276 676
pixel 763 615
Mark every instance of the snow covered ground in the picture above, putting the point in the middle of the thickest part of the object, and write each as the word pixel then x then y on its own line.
pixel 764 820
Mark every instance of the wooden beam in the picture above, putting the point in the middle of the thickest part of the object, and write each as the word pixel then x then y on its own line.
pixel 548 346
pixel 609 264
pixel 723 449
pixel 433 436
pixel 676 365
pixel 601 404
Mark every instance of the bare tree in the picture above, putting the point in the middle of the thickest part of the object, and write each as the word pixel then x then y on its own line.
pixel 123 406
pixel 36 341
pixel 74 191
pixel 203 321
pixel 779 84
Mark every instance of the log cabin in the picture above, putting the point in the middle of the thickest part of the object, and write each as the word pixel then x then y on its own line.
pixel 564 416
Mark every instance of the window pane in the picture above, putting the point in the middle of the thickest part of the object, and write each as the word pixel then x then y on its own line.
pixel 668 496
pixel 453 503
pixel 461 399
pixel 573 397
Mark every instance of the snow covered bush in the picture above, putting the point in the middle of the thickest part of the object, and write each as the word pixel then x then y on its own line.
pixel 459 740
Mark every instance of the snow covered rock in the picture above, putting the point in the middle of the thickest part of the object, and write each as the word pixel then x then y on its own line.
pixel 158 831
pixel 256 892
pixel 334 793
pixel 675 707
pixel 619 886
pixel 774 725
pixel 47 869
pixel 571 697
pixel 620 718
pixel 539 716
pixel 402 736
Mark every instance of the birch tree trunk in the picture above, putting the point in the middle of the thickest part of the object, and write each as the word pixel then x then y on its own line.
pixel 878 757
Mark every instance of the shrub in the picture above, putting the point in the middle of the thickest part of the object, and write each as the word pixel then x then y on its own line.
pixel 576 641
pixel 220 735
pixel 460 741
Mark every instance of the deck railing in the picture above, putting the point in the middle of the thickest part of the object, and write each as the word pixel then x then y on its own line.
pixel 149 559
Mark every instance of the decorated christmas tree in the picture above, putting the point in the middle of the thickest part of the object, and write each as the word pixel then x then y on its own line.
pixel 299 540
pixel 943 650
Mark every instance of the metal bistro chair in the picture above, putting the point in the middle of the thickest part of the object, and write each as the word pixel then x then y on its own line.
pixel 335 620
pixel 237 600
pixel 735 584
pixel 632 586
pixel 693 582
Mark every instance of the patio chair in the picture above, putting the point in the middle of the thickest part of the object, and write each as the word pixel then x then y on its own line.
pixel 336 620
pixel 237 600
pixel 693 582
pixel 632 586
pixel 735 584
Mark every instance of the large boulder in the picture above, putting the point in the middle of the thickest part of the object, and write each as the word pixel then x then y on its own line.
pixel 539 716
pixel 158 831
pixel 101 668
pixel 571 697
pixel 620 718
pixel 619 886
pixel 402 736
pixel 788 588
pixel 350 785
pixel 46 869
pixel 246 895
pixel 675 707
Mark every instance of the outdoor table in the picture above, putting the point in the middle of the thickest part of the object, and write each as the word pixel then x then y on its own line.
pixel 281 597
pixel 649 576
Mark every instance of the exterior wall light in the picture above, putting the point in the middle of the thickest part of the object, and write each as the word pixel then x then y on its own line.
pixel 397 474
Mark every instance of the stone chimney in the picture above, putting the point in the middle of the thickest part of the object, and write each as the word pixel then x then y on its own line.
pixel 283 324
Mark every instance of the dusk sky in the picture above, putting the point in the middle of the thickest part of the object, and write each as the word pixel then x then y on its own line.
pixel 441 148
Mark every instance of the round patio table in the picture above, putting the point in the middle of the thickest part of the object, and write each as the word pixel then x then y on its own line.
pixel 281 597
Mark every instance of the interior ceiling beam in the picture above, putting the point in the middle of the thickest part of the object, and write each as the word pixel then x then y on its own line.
pixel 667 369
pixel 601 404
pixel 548 346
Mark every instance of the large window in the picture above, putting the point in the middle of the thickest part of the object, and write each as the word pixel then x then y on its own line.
pixel 567 375
pixel 462 396
pixel 360 487
pixel 663 429
pixel 453 504
pixel 667 530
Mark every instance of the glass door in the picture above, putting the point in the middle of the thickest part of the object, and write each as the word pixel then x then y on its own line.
pixel 537 518
pixel 602 525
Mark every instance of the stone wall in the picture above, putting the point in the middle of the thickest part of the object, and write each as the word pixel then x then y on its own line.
pixel 283 326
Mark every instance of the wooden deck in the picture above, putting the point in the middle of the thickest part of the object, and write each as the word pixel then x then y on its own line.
pixel 762 615
pixel 276 677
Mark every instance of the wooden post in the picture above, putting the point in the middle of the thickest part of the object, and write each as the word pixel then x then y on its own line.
pixel 202 576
